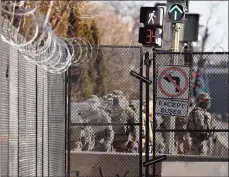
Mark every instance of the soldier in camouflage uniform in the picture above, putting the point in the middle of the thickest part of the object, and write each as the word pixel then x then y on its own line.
pixel 126 136
pixel 108 100
pixel 160 145
pixel 181 138
pixel 132 106
pixel 144 127
pixel 200 119
pixel 144 133
pixel 118 93
pixel 100 136
pixel 108 106
pixel 97 99
pixel 160 140
pixel 76 133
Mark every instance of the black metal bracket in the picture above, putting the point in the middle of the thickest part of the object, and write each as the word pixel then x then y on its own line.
pixel 142 78
pixel 147 62
pixel 154 161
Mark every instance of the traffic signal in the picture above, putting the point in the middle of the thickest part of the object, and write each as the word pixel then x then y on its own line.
pixel 152 16
pixel 175 12
pixel 199 84
pixel 151 34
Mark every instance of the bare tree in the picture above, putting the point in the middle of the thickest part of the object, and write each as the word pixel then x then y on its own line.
pixel 129 12
pixel 112 30
pixel 208 32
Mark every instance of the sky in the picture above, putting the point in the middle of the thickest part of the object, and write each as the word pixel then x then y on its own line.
pixel 220 15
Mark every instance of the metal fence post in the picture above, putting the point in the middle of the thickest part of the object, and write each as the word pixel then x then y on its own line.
pixel 69 119
pixel 140 113
pixel 0 89
pixel 147 63
pixel 154 111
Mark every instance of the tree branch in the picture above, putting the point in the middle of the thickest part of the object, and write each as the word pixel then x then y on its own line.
pixel 48 12
pixel 207 33
pixel 60 17
pixel 220 41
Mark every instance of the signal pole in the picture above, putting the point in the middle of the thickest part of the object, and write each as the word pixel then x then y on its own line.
pixel 175 40
pixel 0 82
pixel 175 16
pixel 175 27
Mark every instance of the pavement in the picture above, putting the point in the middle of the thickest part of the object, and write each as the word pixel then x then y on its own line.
pixel 223 136
pixel 195 169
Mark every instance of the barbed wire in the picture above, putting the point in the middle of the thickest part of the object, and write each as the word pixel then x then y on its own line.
pixel 39 44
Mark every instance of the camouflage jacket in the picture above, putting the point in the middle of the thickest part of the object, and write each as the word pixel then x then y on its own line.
pixel 104 130
pixel 125 116
pixel 199 119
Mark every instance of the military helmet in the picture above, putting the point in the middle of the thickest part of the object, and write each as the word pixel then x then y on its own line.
pixel 117 92
pixel 203 95
pixel 109 95
pixel 110 99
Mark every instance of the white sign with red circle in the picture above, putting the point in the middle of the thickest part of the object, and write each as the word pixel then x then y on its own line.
pixel 173 82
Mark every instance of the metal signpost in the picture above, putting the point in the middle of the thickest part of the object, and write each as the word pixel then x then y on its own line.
pixel 175 15
pixel 0 81
pixel 150 36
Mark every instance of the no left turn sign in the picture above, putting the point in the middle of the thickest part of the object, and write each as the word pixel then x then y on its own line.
pixel 173 82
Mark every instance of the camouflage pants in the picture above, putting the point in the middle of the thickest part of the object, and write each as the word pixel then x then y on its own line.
pixel 75 146
pixel 160 145
pixel 182 143
pixel 120 146
pixel 198 147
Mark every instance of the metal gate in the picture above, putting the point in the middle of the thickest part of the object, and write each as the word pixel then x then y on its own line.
pixel 107 74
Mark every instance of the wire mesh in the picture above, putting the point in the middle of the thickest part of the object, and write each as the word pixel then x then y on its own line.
pixel 94 131
pixel 211 77
pixel 118 62
pixel 13 113
pixel 32 117
pixel 4 113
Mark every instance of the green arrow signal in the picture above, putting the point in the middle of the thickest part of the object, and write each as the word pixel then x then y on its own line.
pixel 175 15
pixel 176 12
pixel 174 8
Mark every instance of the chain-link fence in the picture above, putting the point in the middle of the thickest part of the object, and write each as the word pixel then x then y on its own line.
pixel 102 93
pixel 210 77
pixel 32 117
pixel 104 130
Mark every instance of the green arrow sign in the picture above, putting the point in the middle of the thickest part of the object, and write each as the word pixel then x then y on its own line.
pixel 176 12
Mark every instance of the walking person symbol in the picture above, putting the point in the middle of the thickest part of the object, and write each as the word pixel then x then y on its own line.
pixel 151 17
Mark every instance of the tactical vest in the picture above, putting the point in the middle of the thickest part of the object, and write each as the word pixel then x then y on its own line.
pixel 122 132
pixel 192 125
